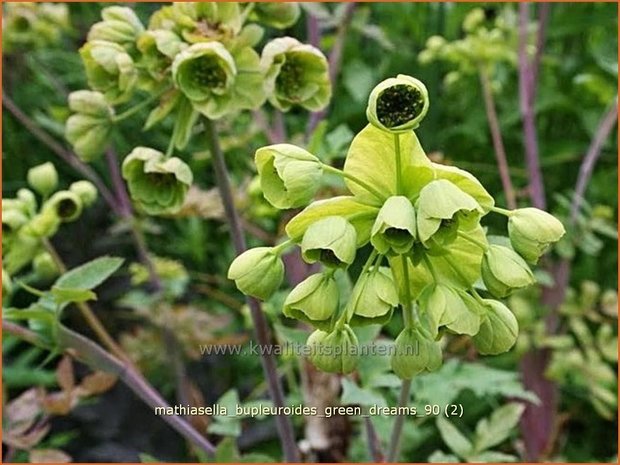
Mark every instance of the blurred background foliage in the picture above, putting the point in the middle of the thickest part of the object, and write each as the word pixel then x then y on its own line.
pixel 576 84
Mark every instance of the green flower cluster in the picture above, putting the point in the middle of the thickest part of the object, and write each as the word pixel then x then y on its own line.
pixel 418 224
pixel 26 222
pixel 33 25
pixel 486 43
pixel 193 59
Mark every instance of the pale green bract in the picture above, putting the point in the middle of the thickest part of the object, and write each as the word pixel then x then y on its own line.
pixel 414 353
pixel 532 231
pixel 314 300
pixel 335 351
pixel 89 127
pixel 257 272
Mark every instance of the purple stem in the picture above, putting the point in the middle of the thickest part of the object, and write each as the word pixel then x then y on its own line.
pixel 334 59
pixel 543 19
pixel 526 91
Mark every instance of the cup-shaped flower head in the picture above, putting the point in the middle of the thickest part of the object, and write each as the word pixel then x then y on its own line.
pixel 331 241
pixel 297 74
pixel 66 205
pixel 86 191
pixel 503 271
pixel 397 104
pixel 89 128
pixel 12 220
pixel 156 184
pixel 120 25
pixel 443 209
pixel 532 231
pixel 45 267
pixel 315 300
pixel 394 231
pixel 109 70
pixel 334 352
pixel 278 15
pixel 498 331
pixel 43 178
pixel 289 175
pixel 415 352
pixel 449 307
pixel 374 297
pixel 257 272
pixel 158 49
pixel 200 21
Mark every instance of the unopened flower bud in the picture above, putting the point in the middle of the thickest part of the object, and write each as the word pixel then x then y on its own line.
pixel 43 224
pixel 158 185
pixel 289 175
pixel 532 231
pixel 394 230
pixel 415 352
pixel 398 104
pixel 45 267
pixel 473 20
pixel 278 15
pixel 448 307
pixel 257 272
pixel 331 241
pixel 28 201
pixel 374 297
pixel 120 25
pixel 503 271
pixel 86 191
pixel 334 352
pixel 314 300
pixel 43 178
pixel 498 331
pixel 88 130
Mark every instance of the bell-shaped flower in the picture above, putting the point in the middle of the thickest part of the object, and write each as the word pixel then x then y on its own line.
pixel 532 231
pixel 65 204
pixel 315 300
pixel 157 51
pixel 394 231
pixel 442 209
pixel 498 331
pixel 415 352
pixel 86 191
pixel 278 15
pixel 89 128
pixel 334 352
pixel 331 241
pixel 503 271
pixel 297 74
pixel 156 184
pixel 120 25
pixel 452 308
pixel 199 22
pixel 373 298
pixel 43 178
pixel 257 272
pixel 109 70
pixel 289 175
pixel 397 104
pixel 215 81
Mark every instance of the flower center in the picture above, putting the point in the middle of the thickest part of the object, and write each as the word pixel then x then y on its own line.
pixel 66 208
pixel 207 72
pixel 329 257
pixel 161 180
pixel 397 235
pixel 290 78
pixel 398 105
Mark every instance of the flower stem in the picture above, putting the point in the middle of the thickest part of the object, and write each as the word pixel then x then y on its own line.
pixel 397 431
pixel 138 107
pixel 263 333
pixel 399 169
pixel 498 142
pixel 356 180
pixel 502 211
pixel 407 307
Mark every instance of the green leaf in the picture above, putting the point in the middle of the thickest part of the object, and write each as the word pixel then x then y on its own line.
pixel 467 182
pixel 441 457
pixel 360 215
pixel 373 151
pixel 34 312
pixel 492 457
pixel 496 428
pixel 89 275
pixel 256 458
pixel 453 438
pixel 226 451
pixel 227 425
pixel 146 458
pixel 63 296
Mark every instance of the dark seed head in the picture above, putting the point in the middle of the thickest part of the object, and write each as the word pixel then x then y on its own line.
pixel 206 72
pixel 66 208
pixel 398 105
pixel 290 78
